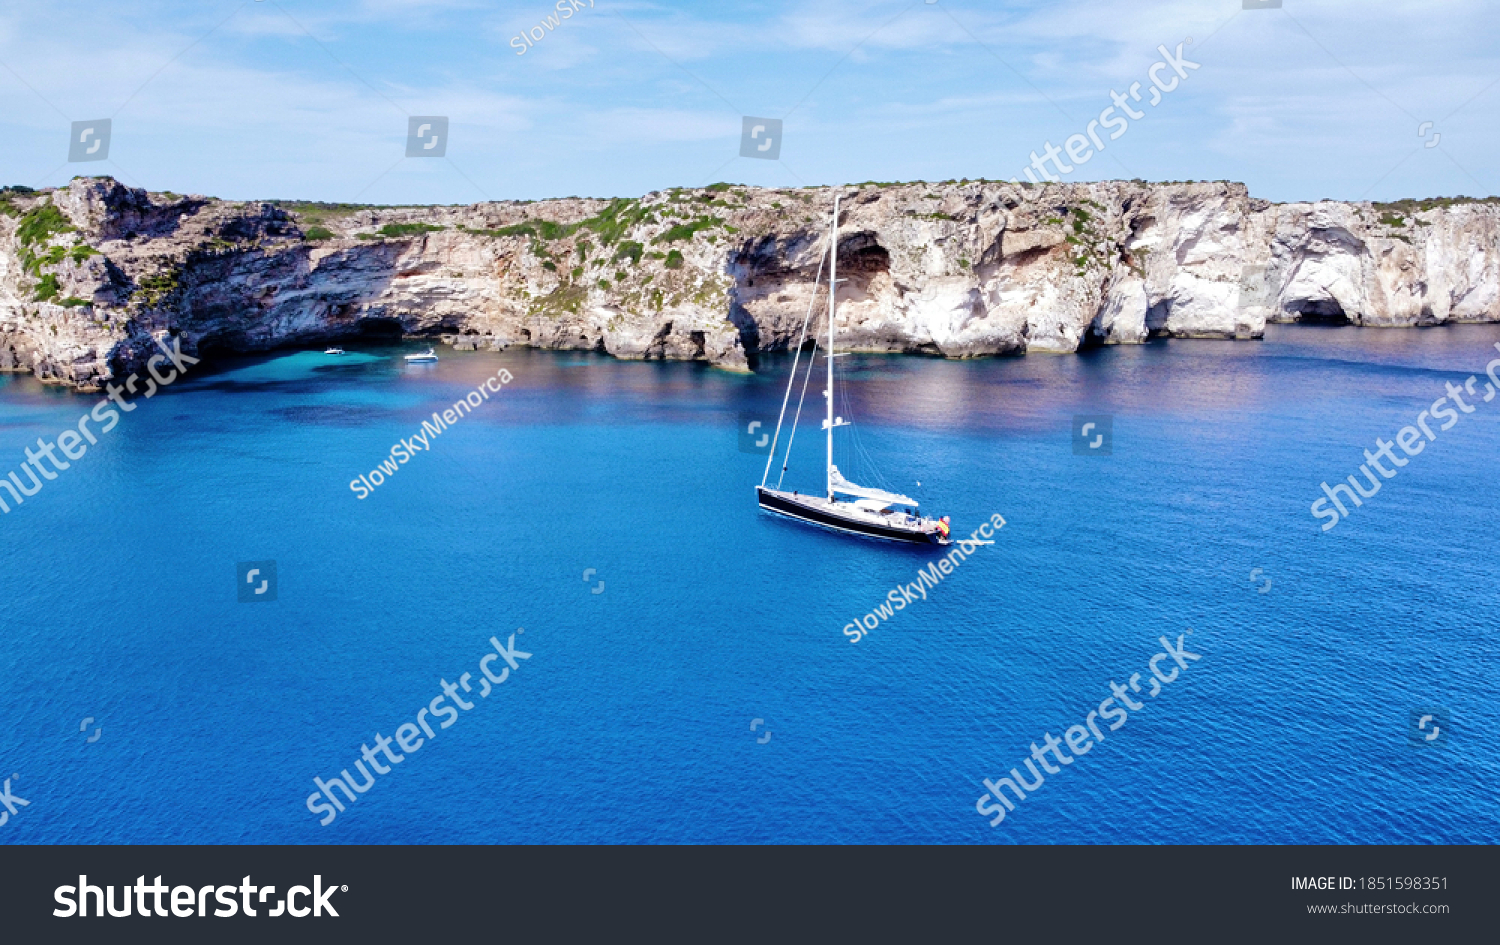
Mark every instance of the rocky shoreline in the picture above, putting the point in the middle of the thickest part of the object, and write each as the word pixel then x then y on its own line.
pixel 91 274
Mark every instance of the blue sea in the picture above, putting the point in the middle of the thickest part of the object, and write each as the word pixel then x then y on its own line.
pixel 601 514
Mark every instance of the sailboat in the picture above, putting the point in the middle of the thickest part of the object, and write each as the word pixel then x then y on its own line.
pixel 870 512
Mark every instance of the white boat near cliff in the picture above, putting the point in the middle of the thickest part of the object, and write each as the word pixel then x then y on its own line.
pixel 424 357
pixel 870 512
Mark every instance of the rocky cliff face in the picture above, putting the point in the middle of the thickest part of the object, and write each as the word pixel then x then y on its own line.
pixel 91 272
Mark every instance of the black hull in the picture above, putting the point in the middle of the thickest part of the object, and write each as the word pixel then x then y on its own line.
pixel 771 502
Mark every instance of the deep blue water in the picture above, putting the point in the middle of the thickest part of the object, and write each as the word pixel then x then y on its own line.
pixel 631 720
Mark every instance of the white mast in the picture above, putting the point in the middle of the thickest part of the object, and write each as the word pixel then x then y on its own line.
pixel 833 288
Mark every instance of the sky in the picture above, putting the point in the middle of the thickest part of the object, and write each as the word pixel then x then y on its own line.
pixel 295 99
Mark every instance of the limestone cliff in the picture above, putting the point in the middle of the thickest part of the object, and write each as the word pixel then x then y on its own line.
pixel 90 272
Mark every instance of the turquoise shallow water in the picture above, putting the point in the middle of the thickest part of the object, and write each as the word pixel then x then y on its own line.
pixel 631 721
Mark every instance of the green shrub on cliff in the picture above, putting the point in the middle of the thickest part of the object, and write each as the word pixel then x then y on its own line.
pixel 548 230
pixel 686 231
pixel 611 223
pixel 631 250
pixel 408 229
pixel 41 224
pixel 318 233
pixel 566 298
pixel 155 288
pixel 46 289
pixel 515 229
pixel 33 263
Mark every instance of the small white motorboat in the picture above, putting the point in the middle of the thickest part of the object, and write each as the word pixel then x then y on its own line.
pixel 425 356
pixel 334 351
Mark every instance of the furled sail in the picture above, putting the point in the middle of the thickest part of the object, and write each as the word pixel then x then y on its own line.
pixel 839 484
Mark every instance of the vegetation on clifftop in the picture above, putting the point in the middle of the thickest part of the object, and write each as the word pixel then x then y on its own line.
pixel 312 212
pixel 1400 208
pixel 7 199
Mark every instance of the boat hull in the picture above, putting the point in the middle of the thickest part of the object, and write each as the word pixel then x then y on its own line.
pixel 781 504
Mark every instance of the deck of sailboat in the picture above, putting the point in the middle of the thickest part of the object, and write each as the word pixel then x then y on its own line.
pixel 846 516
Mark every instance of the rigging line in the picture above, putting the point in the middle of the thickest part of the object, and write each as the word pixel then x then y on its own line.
pixel 867 461
pixel 793 378
pixel 861 452
pixel 811 362
pixel 852 439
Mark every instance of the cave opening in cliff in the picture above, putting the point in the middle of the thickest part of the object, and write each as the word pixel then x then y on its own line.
pixel 380 328
pixel 1318 312
pixel 863 254
pixel 1157 317
pixel 209 348
pixel 1093 337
